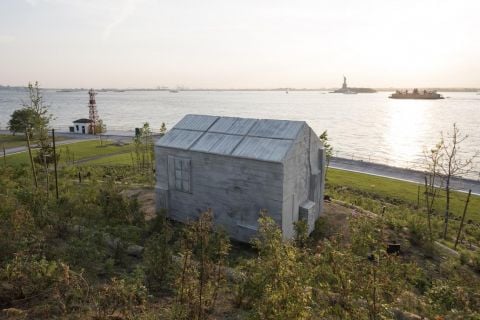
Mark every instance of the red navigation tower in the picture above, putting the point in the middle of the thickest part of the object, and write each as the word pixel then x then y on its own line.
pixel 92 111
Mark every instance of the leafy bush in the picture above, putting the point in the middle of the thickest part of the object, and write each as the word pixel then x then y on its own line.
pixel 276 284
pixel 125 297
pixel 202 274
pixel 116 209
pixel 52 282
pixel 418 230
pixel 158 260
pixel 86 251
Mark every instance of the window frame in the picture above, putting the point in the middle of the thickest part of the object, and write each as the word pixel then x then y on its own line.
pixel 182 174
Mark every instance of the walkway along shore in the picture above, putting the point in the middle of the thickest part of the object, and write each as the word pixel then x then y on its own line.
pixel 381 170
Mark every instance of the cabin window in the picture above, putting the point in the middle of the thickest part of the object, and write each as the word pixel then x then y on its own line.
pixel 182 175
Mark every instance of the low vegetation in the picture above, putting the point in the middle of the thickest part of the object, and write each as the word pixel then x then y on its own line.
pixel 400 192
pixel 94 253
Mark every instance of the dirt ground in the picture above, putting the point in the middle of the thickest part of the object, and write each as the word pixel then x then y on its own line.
pixel 146 200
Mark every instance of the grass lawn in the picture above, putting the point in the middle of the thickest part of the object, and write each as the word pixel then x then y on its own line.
pixel 391 190
pixel 116 159
pixel 18 140
pixel 78 151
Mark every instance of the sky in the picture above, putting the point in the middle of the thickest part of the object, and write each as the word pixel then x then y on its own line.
pixel 240 44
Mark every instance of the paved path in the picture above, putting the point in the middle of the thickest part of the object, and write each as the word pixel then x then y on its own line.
pixel 15 150
pixel 398 173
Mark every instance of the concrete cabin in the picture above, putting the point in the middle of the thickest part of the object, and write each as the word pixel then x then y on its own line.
pixel 81 126
pixel 237 167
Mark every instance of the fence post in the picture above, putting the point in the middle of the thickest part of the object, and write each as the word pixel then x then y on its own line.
pixel 418 197
pixel 46 173
pixel 31 159
pixel 55 163
pixel 4 156
pixel 463 218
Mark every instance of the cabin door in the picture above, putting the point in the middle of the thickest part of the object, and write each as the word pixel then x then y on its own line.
pixel 83 129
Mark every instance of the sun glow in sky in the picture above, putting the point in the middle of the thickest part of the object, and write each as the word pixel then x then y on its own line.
pixel 240 44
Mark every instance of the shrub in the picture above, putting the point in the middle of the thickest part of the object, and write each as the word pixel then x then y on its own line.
pixel 202 258
pixel 117 209
pixel 126 297
pixel 276 284
pixel 158 260
pixel 418 230
pixel 59 288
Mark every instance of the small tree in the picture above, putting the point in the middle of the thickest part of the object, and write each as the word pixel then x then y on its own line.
pixel 433 159
pixel 453 165
pixel 37 122
pixel 276 284
pixel 163 129
pixel 158 256
pixel 39 111
pixel 100 127
pixel 148 144
pixel 327 147
pixel 21 120
pixel 203 253
pixel 144 147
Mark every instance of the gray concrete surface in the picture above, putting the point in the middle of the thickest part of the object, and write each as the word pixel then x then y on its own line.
pixel 399 173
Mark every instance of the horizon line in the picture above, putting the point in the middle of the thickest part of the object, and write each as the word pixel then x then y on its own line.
pixel 181 88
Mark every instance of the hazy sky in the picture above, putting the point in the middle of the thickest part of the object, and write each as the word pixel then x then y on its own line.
pixel 240 44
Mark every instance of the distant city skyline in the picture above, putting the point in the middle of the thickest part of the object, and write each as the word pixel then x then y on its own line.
pixel 242 44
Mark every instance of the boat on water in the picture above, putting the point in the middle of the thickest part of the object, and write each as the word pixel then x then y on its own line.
pixel 416 94
pixel 173 91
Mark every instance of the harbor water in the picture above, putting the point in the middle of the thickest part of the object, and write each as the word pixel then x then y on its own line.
pixel 367 127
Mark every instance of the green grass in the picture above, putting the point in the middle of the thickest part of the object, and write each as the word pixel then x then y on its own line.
pixel 392 191
pixel 18 140
pixel 10 141
pixel 79 151
pixel 116 159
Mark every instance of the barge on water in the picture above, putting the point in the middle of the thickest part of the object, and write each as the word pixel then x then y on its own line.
pixel 416 94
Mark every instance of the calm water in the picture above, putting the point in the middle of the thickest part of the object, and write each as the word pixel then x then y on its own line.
pixel 363 126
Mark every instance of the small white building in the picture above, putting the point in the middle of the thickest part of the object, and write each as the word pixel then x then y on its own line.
pixel 81 126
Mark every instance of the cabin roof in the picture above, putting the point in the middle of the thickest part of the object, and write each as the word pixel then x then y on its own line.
pixel 260 139
pixel 83 120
